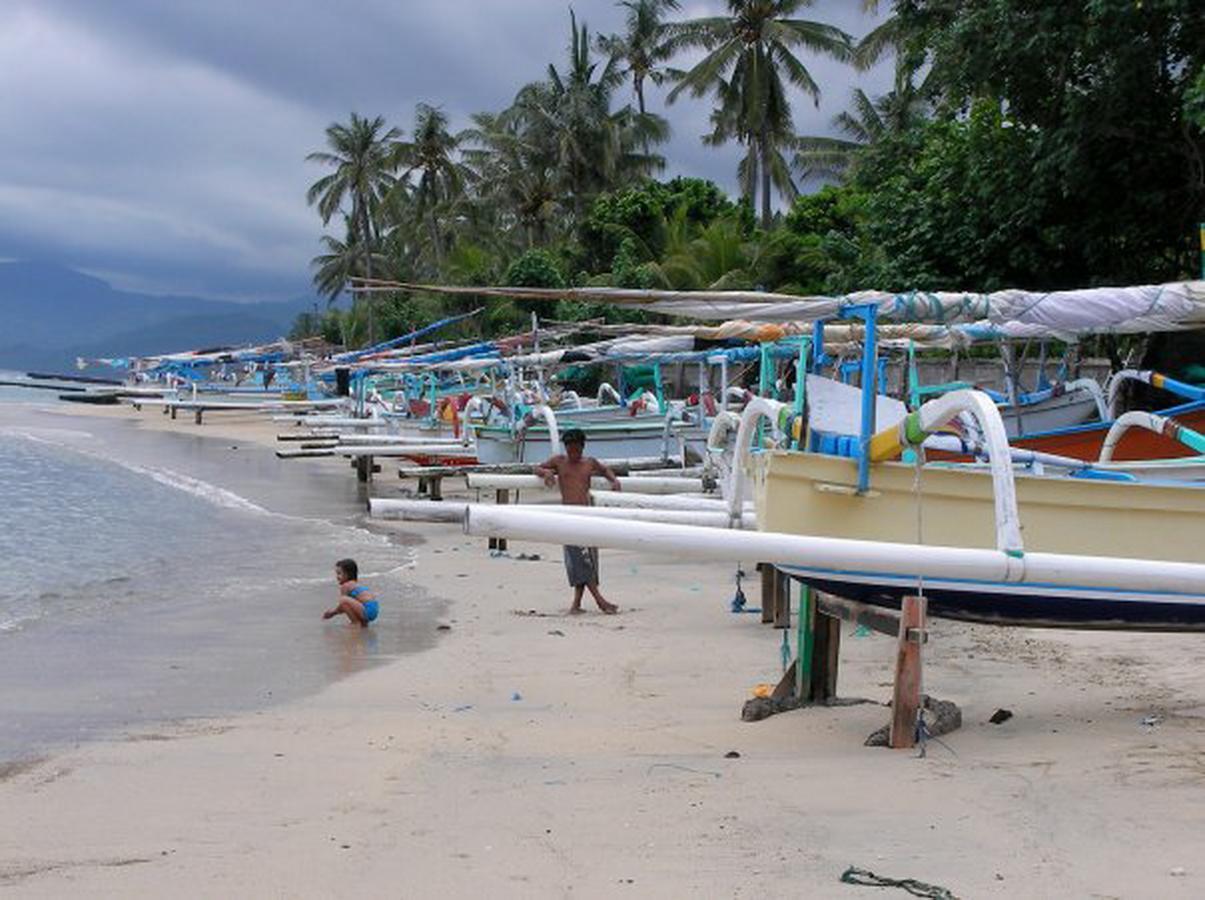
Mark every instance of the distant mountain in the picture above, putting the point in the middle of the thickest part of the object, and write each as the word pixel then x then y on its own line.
pixel 50 314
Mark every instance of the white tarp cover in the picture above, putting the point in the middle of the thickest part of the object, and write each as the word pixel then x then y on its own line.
pixel 1010 313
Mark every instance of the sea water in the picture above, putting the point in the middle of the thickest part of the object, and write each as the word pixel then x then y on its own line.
pixel 148 577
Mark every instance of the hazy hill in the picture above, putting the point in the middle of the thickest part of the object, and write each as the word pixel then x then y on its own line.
pixel 50 314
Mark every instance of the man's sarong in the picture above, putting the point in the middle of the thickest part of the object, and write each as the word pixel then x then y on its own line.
pixel 581 566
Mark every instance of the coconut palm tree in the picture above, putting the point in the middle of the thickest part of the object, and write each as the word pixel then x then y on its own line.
pixel 867 122
pixel 570 112
pixel 749 60
pixel 642 50
pixel 363 157
pixel 512 173
pixel 887 36
pixel 440 176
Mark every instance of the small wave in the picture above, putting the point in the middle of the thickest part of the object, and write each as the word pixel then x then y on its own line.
pixel 205 490
pixel 55 437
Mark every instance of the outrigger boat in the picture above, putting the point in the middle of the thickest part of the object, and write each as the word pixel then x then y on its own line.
pixel 1096 553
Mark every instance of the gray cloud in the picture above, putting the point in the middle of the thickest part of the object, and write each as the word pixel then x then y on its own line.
pixel 163 144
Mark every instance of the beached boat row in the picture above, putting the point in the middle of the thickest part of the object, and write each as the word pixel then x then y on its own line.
pixel 789 412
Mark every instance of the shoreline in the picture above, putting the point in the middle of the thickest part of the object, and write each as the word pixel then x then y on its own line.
pixel 100 659
pixel 537 754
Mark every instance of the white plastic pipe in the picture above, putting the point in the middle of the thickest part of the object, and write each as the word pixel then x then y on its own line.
pixel 909 560
pixel 630 483
pixel 416 510
pixel 914 428
pixel 654 501
pixel 451 451
pixel 1092 387
pixel 1118 378
pixel 331 421
pixel 1151 422
pixel 606 388
pixel 755 409
pixel 440 511
pixel 721 427
pixel 554 434
pixel 396 439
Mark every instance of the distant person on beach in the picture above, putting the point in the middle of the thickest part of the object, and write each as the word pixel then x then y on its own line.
pixel 356 601
pixel 572 472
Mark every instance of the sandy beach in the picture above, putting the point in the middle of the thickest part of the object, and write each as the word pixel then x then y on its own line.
pixel 527 753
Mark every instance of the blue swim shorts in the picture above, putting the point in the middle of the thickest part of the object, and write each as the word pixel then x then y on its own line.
pixel 371 609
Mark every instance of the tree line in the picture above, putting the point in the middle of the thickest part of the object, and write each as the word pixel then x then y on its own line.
pixel 1023 144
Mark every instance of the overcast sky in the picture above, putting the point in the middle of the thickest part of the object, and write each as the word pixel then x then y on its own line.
pixel 162 145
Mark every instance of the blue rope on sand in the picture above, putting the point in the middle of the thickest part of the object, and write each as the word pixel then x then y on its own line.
pixel 739 600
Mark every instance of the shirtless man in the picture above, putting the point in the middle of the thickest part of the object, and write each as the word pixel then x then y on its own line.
pixel 572 472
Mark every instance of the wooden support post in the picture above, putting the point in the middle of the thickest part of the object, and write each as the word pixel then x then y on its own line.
pixel 826 657
pixel 906 697
pixel 769 583
pixel 502 498
pixel 782 600
pixel 363 469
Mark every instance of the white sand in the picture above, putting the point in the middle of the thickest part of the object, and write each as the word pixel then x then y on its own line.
pixel 607 776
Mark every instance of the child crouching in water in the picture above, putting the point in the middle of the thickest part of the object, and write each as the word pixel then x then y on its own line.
pixel 356 601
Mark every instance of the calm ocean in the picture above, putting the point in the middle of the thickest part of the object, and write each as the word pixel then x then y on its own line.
pixel 147 577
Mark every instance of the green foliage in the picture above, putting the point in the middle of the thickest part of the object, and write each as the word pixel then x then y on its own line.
pixel 831 209
pixel 641 217
pixel 1023 144
pixel 535 268
pixel 1101 90
pixel 953 205
pixel 1194 101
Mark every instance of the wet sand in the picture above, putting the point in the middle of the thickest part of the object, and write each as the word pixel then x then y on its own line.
pixel 532 754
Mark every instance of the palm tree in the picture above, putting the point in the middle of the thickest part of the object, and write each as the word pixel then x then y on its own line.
pixel 642 49
pixel 571 113
pixel 887 36
pixel 867 122
pixel 441 177
pixel 747 55
pixel 763 161
pixel 334 268
pixel 512 173
pixel 575 109
pixel 363 160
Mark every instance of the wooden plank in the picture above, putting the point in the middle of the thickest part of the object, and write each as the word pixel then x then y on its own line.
pixel 906 696
pixel 502 498
pixel 364 468
pixel 769 583
pixel 872 617
pixel 782 600
pixel 786 685
pixel 826 658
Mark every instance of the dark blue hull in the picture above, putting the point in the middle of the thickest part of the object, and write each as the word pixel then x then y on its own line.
pixel 1027 605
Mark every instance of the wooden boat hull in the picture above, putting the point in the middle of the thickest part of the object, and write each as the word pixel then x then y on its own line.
pixel 813 494
pixel 1085 442
pixel 1051 414
pixel 618 440
pixel 998 603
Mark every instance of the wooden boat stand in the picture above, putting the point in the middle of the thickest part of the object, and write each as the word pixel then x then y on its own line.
pixel 811 677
